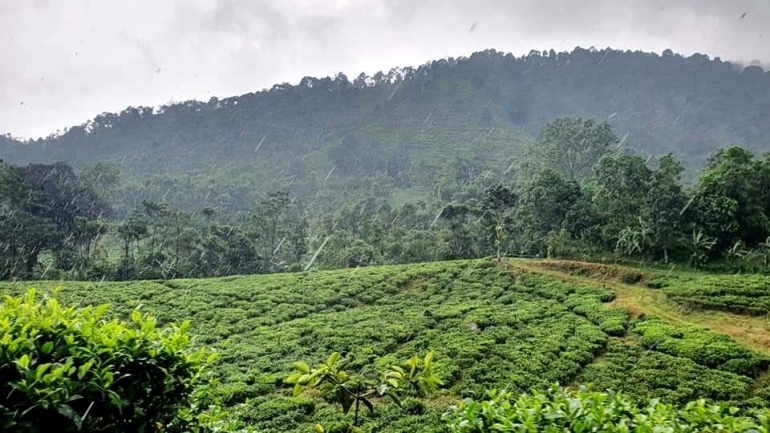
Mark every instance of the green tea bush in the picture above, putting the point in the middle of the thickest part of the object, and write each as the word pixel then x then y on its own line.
pixel 644 374
pixel 657 283
pixel 583 411
pixel 744 294
pixel 70 369
pixel 491 327
pixel 705 347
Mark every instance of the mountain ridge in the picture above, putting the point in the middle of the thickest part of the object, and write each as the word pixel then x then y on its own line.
pixel 659 103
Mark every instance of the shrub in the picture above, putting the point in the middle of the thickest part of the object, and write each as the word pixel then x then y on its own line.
pixel 558 411
pixel 657 283
pixel 631 277
pixel 70 369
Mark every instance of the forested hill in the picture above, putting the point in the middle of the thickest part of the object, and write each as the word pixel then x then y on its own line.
pixel 488 103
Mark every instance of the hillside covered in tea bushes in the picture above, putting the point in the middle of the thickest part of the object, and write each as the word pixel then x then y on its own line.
pixel 490 326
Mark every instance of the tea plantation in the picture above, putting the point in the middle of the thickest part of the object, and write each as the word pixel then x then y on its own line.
pixel 490 327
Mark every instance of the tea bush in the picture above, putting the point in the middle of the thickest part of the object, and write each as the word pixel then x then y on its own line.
pixel 584 411
pixel 490 327
pixel 742 294
pixel 70 369
pixel 701 346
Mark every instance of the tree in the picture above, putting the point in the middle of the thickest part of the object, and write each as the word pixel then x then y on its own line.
pixel 155 216
pixel 623 186
pixel 350 390
pixel 85 233
pixel 701 244
pixel 729 199
pixel 131 230
pixel 573 146
pixel 103 177
pixel 346 389
pixel 269 222
pixel 664 204
pixel 544 204
pixel 499 206
pixel 38 207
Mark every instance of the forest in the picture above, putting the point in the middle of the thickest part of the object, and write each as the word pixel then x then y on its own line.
pixel 574 194
pixel 594 153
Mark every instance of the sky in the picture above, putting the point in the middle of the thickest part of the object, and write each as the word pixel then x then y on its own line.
pixel 65 61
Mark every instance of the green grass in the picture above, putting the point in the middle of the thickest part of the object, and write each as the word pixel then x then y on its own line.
pixel 490 327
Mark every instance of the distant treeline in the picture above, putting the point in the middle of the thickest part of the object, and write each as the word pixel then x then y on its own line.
pixel 688 106
pixel 572 193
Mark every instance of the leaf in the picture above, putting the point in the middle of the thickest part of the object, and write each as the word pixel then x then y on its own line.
pixel 293 378
pixel 428 358
pixel 304 379
pixel 333 358
pixel 345 399
pixel 68 412
pixel 301 366
pixel 41 369
pixel 23 362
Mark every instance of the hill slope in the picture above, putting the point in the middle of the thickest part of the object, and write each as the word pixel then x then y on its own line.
pixel 668 103
pixel 490 327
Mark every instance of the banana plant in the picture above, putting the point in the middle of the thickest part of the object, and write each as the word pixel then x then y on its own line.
pixel 738 254
pixel 701 245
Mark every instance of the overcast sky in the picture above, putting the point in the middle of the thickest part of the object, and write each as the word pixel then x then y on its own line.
pixel 64 61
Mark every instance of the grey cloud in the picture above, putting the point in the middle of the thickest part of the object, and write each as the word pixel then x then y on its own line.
pixel 68 61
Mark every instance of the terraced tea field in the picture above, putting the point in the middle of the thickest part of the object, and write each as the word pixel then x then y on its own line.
pixel 518 326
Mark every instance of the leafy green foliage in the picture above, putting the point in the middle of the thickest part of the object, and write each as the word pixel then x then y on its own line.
pixel 68 369
pixel 703 347
pixel 557 411
pixel 644 373
pixel 573 146
pixel 742 294
pixel 417 374
pixel 346 389
pixel 351 390
pixel 490 327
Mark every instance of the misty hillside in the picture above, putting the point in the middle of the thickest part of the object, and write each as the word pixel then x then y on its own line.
pixel 688 106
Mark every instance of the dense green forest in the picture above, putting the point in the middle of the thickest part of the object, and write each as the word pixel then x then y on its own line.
pixel 592 154
pixel 581 197
pixel 396 129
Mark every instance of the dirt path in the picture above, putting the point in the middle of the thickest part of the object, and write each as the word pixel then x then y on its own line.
pixel 752 331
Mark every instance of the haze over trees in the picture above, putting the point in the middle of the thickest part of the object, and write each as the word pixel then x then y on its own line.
pixel 605 155
pixel 582 154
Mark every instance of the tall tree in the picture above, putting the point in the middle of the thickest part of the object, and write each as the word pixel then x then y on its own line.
pixel 573 146
pixel 499 207
pixel 729 199
pixel 664 204
pixel 545 202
